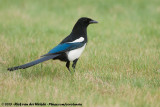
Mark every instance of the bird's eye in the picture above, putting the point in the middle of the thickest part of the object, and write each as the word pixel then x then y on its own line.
pixel 85 20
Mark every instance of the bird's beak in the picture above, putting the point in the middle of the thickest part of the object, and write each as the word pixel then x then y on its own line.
pixel 93 21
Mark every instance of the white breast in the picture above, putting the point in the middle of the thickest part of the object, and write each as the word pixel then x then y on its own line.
pixel 74 54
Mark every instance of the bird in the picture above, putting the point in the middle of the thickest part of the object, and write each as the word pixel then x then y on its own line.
pixel 69 49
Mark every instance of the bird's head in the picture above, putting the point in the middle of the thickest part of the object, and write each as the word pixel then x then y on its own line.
pixel 84 21
pixel 81 26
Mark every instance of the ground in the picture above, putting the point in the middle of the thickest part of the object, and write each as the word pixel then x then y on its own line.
pixel 120 66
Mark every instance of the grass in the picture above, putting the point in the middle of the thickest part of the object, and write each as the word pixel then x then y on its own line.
pixel 120 66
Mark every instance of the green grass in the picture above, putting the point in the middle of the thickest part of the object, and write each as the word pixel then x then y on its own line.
pixel 120 66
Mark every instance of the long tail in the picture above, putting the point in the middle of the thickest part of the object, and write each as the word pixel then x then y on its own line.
pixel 33 62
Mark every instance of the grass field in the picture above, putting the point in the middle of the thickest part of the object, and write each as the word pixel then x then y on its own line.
pixel 120 66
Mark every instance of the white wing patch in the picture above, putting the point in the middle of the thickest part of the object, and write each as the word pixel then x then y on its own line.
pixel 74 54
pixel 81 39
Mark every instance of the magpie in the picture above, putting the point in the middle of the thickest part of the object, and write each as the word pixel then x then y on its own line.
pixel 69 48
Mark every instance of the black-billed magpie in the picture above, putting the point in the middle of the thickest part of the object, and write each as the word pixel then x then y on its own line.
pixel 69 49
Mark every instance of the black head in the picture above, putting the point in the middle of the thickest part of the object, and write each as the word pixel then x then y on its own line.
pixel 80 28
pixel 84 21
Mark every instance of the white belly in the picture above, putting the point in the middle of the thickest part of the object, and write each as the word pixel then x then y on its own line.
pixel 74 54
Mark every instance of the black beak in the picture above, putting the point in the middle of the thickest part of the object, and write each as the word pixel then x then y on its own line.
pixel 93 21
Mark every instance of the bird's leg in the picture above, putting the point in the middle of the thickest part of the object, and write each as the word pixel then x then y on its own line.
pixel 67 65
pixel 74 64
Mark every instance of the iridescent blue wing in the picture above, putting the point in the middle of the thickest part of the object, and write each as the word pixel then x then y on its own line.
pixel 64 48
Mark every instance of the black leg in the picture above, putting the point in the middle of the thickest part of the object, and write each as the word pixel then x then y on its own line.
pixel 67 65
pixel 74 64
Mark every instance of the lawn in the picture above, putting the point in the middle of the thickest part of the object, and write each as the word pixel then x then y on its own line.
pixel 120 66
